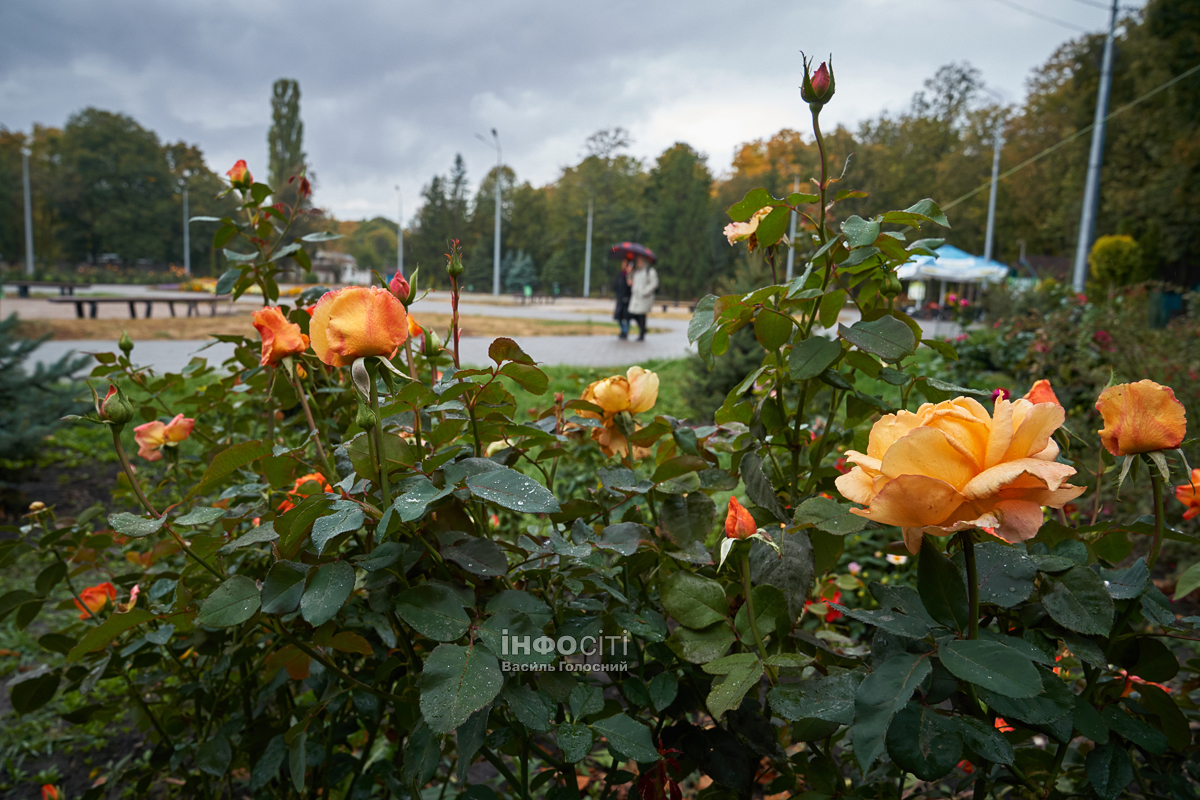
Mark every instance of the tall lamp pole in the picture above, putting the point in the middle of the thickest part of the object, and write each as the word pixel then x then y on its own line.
pixel 998 142
pixel 587 255
pixel 496 239
pixel 1091 191
pixel 187 232
pixel 399 232
pixel 25 153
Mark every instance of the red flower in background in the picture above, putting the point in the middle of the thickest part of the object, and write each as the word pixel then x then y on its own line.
pixel 94 598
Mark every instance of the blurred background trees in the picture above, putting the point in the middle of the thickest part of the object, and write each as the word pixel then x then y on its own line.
pixel 103 171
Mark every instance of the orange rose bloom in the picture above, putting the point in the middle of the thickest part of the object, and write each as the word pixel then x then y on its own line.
pixel 280 338
pixel 294 496
pixel 952 466
pixel 1042 392
pixel 356 322
pixel 94 598
pixel 414 329
pixel 738 522
pixel 1188 495
pixel 635 391
pixel 151 436
pixel 1140 417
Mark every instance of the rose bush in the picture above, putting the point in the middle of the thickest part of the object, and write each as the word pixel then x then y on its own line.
pixel 362 575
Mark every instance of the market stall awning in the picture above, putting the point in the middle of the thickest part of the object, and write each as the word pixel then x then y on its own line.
pixel 953 266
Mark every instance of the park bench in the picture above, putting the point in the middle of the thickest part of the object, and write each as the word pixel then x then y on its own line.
pixel 192 303
pixel 64 287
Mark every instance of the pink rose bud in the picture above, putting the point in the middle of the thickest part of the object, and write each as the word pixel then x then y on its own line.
pixel 818 87
pixel 1001 394
pixel 399 287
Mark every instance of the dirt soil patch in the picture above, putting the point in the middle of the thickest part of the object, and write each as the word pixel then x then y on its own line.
pixel 191 328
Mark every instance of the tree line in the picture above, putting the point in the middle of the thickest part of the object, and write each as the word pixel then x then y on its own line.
pixel 108 185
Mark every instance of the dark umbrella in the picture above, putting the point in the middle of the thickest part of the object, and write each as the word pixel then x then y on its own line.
pixel 629 249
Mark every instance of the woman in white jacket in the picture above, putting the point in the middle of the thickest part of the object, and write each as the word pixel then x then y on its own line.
pixel 643 285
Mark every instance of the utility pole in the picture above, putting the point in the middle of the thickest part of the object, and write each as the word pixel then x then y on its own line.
pixel 587 255
pixel 791 262
pixel 25 153
pixel 991 218
pixel 1091 191
pixel 496 239
pixel 399 233
pixel 187 233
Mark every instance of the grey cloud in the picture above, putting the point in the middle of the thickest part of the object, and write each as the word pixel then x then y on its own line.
pixel 392 90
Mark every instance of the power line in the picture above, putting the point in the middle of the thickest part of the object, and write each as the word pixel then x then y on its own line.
pixel 1073 136
pixel 1093 4
pixel 1042 16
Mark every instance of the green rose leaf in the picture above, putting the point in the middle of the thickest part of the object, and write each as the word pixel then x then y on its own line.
pixel 1078 600
pixel 924 742
pixel 992 665
pixel 881 694
pixel 812 356
pixel 326 593
pixel 693 600
pixel 575 741
pixel 457 681
pixel 435 611
pixel 510 489
pixel 232 603
pixel 886 337
pixel 628 736
pixel 134 526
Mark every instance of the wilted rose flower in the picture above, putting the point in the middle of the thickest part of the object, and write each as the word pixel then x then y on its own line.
pixel 952 466
pixel 153 436
pixel 1140 417
pixel 738 231
pixel 280 338
pixel 356 322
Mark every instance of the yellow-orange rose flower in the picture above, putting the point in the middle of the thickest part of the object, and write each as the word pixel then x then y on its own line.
pixel 1140 417
pixel 152 436
pixel 738 522
pixel 1189 495
pixel 280 338
pixel 636 391
pixel 1042 392
pixel 952 466
pixel 356 322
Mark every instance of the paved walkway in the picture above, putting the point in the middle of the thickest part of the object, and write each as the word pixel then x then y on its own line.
pixel 584 351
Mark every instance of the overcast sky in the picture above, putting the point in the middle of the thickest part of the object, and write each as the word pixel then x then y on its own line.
pixel 392 89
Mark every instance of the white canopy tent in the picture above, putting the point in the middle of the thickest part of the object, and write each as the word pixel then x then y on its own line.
pixel 951 266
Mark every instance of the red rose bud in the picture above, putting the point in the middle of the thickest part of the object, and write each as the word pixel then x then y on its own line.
pixel 305 187
pixel 818 87
pixel 239 175
pixel 820 81
pixel 399 287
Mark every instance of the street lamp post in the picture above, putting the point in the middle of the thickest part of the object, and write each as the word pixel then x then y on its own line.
pixel 997 143
pixel 791 259
pixel 587 255
pixel 496 239
pixel 25 153
pixel 399 232
pixel 187 233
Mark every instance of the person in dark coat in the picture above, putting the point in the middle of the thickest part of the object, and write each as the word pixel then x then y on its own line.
pixel 622 292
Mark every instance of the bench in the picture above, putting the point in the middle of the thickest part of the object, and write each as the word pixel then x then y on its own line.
pixel 192 303
pixel 64 287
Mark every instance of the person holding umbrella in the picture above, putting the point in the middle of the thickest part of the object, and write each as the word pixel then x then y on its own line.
pixel 621 293
pixel 643 282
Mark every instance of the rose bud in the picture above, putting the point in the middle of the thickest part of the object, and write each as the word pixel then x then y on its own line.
pixel 818 87
pixel 738 522
pixel 240 176
pixel 400 287
pixel 115 407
